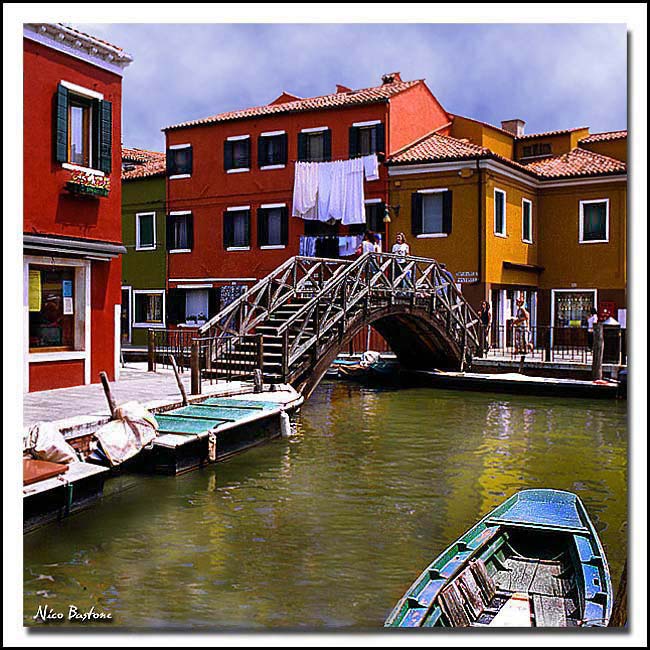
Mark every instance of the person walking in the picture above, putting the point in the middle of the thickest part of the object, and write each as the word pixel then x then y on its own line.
pixel 485 314
pixel 591 321
pixel 520 324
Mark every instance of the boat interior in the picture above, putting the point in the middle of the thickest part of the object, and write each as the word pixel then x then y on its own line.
pixel 528 580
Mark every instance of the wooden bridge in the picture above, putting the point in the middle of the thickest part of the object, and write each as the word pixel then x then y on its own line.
pixel 294 322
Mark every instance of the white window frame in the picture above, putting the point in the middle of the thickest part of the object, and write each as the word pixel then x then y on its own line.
pixel 82 334
pixel 129 289
pixel 136 292
pixel 138 245
pixel 523 216
pixel 581 239
pixel 178 176
pixel 179 213
pixel 503 234
pixel 432 235
pixel 237 138
pixel 239 208
pixel 271 206
pixel 270 134
pixel 554 291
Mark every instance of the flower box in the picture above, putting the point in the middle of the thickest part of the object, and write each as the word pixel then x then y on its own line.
pixel 86 190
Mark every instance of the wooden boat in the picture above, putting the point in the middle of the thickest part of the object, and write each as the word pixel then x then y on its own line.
pixel 534 561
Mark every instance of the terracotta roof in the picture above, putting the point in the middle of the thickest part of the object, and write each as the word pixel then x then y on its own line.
pixel 145 164
pixel 335 100
pixel 575 163
pixel 531 136
pixel 437 148
pixel 606 136
pixel 91 37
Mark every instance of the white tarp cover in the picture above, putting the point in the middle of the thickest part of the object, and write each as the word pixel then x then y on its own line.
pixel 46 442
pixel 132 429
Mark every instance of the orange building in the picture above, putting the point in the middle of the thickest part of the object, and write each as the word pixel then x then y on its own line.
pixel 542 215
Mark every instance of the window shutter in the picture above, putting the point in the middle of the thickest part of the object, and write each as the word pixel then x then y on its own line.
pixel 190 230
pixel 61 124
pixel 284 226
pixel 262 150
pixel 327 145
pixel 228 230
pixel 188 161
pixel 416 213
pixel 228 162
pixel 105 136
pixel 446 212
pixel 262 227
pixel 214 300
pixel 246 156
pixel 380 132
pixel 284 147
pixel 302 146
pixel 354 142
pixel 171 244
pixel 247 223
pixel 170 162
pixel 175 304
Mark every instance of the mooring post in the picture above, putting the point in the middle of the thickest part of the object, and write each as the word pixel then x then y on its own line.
pixel 179 381
pixel 598 350
pixel 619 611
pixel 195 369
pixel 112 406
pixel 151 351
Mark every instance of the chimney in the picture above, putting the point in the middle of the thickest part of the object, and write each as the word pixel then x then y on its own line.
pixel 516 127
pixel 342 89
pixel 390 78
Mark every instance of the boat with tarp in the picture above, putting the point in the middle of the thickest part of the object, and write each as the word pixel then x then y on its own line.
pixel 534 561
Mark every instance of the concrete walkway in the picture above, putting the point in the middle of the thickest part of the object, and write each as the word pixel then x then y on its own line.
pixel 86 404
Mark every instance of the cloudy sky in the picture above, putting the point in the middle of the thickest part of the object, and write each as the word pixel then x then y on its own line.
pixel 551 76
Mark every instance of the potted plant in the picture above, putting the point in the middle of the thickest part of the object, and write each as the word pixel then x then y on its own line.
pixel 86 184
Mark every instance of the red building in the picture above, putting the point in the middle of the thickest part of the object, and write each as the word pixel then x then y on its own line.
pixel 72 205
pixel 231 176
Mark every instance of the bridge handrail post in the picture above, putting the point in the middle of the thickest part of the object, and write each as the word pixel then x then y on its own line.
pixel 285 355
pixel 260 354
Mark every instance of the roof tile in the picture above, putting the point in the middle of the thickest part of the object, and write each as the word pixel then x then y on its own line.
pixel 146 164
pixel 575 163
pixel 604 137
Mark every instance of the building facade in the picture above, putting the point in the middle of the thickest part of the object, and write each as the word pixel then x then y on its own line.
pixel 537 215
pixel 231 177
pixel 144 266
pixel 72 201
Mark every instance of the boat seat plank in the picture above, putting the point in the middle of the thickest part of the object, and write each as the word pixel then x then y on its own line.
pixel 548 580
pixel 550 611
pixel 483 579
pixel 515 613
pixel 472 593
pixel 451 602
pixel 518 576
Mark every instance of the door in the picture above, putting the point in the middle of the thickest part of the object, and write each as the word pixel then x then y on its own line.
pixel 125 316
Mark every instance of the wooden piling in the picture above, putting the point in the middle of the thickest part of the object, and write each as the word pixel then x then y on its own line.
pixel 112 405
pixel 619 612
pixel 597 352
pixel 151 351
pixel 195 369
pixel 179 381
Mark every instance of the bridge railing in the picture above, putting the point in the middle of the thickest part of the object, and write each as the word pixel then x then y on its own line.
pixel 298 275
pixel 387 277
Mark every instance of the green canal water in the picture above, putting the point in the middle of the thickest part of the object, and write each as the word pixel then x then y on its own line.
pixel 328 528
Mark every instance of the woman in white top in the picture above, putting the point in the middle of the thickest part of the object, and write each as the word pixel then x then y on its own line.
pixel 400 247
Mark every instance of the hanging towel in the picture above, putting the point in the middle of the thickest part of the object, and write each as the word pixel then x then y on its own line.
pixel 354 209
pixel 305 191
pixel 371 167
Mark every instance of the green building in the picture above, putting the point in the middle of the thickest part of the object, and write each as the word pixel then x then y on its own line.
pixel 144 267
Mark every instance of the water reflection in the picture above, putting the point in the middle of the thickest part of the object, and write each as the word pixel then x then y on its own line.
pixel 329 527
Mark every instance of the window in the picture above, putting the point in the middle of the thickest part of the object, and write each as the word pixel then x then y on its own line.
pixel 179 161
pixel 315 145
pixel 51 308
pixel 431 213
pixel 272 149
pixel 196 306
pixel 594 221
pixel 527 221
pixel 541 149
pixel 148 308
pixel 499 213
pixel 236 228
pixel 272 225
pixel 237 153
pixel 572 308
pixel 180 231
pixel 366 138
pixel 83 128
pixel 145 231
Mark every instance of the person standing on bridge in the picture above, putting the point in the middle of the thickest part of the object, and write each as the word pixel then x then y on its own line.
pixel 403 250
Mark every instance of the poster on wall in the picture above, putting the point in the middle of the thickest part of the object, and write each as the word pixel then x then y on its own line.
pixel 68 306
pixel 34 291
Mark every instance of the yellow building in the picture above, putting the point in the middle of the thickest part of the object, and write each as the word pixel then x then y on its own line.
pixel 539 215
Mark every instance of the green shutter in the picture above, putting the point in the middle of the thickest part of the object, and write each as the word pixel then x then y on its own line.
pixel 416 213
pixel 262 227
pixel 61 124
pixel 284 226
pixel 327 145
pixel 228 160
pixel 105 136
pixel 446 212
pixel 302 146
pixel 228 230
pixel 262 151
pixel 380 132
pixel 354 141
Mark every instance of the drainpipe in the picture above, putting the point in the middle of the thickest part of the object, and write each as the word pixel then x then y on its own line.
pixel 479 191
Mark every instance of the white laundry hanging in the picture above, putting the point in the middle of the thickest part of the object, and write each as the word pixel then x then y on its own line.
pixel 305 191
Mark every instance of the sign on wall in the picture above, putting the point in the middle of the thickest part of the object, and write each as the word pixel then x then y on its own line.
pixel 466 277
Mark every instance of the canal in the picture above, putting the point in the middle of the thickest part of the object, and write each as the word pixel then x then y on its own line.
pixel 329 527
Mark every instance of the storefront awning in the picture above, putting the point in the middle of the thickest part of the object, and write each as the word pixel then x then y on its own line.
pixel 87 248
pixel 534 268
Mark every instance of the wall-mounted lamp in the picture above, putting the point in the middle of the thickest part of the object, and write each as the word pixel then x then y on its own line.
pixel 387 209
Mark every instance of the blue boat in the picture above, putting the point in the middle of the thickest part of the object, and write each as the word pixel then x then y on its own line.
pixel 534 561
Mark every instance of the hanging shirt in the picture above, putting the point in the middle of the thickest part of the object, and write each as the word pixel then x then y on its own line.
pixel 371 167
